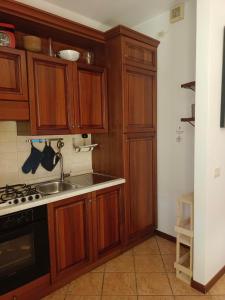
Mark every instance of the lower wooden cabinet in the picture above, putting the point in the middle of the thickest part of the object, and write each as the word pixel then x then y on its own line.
pixel 108 221
pixel 140 191
pixel 84 229
pixel 70 234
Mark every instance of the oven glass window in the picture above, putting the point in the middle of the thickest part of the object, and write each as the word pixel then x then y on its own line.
pixel 16 254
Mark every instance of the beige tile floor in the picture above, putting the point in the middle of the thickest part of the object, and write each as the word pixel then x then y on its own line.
pixel 143 273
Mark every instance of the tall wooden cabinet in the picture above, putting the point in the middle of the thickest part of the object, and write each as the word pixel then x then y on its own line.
pixel 129 150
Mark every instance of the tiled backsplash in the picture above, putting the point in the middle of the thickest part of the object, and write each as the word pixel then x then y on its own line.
pixel 14 150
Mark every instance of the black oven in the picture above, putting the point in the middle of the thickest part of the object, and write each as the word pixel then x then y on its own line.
pixel 24 249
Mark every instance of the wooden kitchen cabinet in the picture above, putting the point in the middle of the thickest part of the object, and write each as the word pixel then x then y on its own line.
pixel 108 220
pixel 91 106
pixel 13 75
pixel 70 234
pixel 65 99
pixel 51 89
pixel 83 230
pixel 140 172
pixel 139 102
pixel 129 149
pixel 13 85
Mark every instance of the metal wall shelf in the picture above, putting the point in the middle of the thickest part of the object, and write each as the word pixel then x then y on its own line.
pixel 189 85
pixel 188 120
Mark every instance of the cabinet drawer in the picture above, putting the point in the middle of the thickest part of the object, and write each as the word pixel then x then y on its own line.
pixel 139 54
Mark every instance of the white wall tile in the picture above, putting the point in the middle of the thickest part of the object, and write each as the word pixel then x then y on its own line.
pixel 14 150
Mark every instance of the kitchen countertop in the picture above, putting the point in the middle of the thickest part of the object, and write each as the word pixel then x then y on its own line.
pixel 87 183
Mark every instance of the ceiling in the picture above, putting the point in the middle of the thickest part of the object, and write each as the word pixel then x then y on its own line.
pixel 114 12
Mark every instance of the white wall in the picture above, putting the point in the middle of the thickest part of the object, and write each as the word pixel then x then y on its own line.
pixel 176 65
pixel 209 252
pixel 65 13
pixel 14 150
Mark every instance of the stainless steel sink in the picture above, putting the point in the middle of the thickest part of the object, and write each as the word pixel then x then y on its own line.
pixel 55 187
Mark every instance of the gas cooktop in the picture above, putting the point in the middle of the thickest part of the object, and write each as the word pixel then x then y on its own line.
pixel 17 194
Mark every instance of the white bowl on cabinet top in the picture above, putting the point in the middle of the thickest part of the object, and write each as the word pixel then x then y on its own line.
pixel 71 55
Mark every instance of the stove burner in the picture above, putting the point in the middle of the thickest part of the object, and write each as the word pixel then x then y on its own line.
pixel 11 192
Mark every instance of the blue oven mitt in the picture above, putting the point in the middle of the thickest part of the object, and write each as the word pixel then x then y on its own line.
pixel 33 161
pixel 49 159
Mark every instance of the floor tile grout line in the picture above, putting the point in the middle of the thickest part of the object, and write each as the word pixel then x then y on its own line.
pixel 103 279
pixel 135 275
pixel 173 295
pixel 165 268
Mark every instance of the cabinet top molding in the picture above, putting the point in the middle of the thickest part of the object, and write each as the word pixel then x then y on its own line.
pixel 125 31
pixel 40 20
pixel 37 16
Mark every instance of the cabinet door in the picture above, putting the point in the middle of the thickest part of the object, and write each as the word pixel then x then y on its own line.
pixel 13 77
pixel 107 211
pixel 140 172
pixel 70 235
pixel 91 109
pixel 140 100
pixel 51 94
pixel 139 54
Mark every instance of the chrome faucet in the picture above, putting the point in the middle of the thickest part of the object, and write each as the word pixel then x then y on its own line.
pixel 61 167
pixel 60 144
pixel 60 157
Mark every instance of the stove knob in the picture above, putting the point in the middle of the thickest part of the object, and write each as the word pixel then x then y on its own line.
pixel 23 199
pixel 37 196
pixel 16 201
pixel 30 198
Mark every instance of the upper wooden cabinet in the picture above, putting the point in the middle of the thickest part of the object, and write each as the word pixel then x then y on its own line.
pixel 107 213
pixel 70 233
pixel 91 105
pixel 13 77
pixel 140 100
pixel 139 54
pixel 13 85
pixel 64 99
pixel 51 89
pixel 140 172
